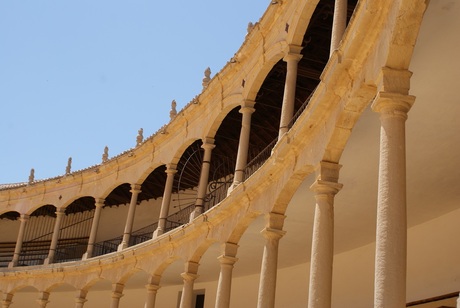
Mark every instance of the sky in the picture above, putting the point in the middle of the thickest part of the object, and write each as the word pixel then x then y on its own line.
pixel 76 76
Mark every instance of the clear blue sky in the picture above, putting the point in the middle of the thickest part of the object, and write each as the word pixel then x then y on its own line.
pixel 76 76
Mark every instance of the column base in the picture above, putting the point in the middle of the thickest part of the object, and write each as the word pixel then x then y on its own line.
pixel 232 187
pixel 122 246
pixel 157 233
pixel 12 264
pixel 196 212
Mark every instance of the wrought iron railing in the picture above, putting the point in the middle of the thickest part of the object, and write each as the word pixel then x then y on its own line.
pixel 6 253
pixel 70 249
pixel 36 250
pixel 259 160
pixel 179 218
pixel 143 234
pixel 217 191
pixel 108 246
pixel 301 110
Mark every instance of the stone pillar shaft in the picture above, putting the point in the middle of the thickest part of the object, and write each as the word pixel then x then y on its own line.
pixel 391 237
pixel 117 294
pixel 247 109
pixel 54 241
pixel 93 233
pixel 189 277
pixel 269 268
pixel 208 145
pixel 322 252
pixel 170 172
pixel 339 24
pixel 287 111
pixel 227 260
pixel 17 249
pixel 135 190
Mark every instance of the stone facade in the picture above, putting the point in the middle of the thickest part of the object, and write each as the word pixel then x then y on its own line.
pixel 295 231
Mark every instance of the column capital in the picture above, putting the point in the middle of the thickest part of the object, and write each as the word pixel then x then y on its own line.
pixel 152 288
pixel 191 267
pixel 208 141
pixel 227 260
pixel 135 188
pixel 275 221
pixel 327 171
pixel 247 106
pixel 60 211
pixel 208 146
pixel 99 202
pixel 272 234
pixel 393 104
pixel 229 249
pixel 394 81
pixel 154 280
pixel 189 276
pixel 171 168
pixel 24 217
pixel 117 290
pixel 326 188
pixel 293 53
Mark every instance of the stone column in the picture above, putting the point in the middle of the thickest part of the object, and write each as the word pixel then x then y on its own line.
pixel 164 211
pixel 135 190
pixel 17 249
pixel 227 260
pixel 322 251
pixel 287 111
pixel 247 109
pixel 339 23
pixel 60 213
pixel 393 104
pixel 208 145
pixel 267 285
pixel 152 289
pixel 80 299
pixel 117 293
pixel 43 299
pixel 189 276
pixel 93 233
pixel 7 299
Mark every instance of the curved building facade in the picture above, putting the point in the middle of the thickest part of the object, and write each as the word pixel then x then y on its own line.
pixel 320 167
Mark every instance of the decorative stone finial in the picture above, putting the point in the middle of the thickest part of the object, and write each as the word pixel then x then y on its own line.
pixel 105 156
pixel 32 176
pixel 250 27
pixel 140 136
pixel 173 112
pixel 207 78
pixel 69 166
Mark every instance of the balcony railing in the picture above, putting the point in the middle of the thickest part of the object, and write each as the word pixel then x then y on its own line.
pixel 259 160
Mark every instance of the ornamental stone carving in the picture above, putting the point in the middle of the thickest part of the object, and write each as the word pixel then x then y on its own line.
pixel 105 155
pixel 206 78
pixel 173 112
pixel 140 137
